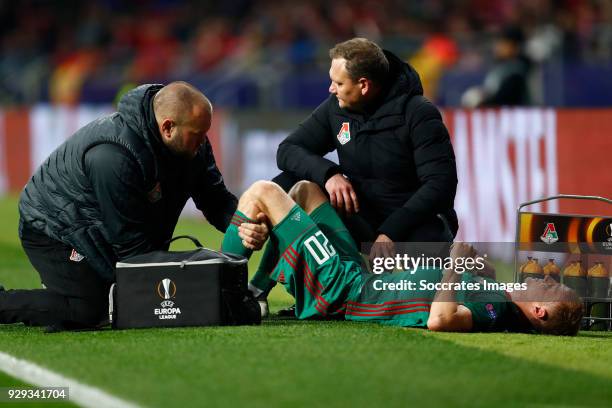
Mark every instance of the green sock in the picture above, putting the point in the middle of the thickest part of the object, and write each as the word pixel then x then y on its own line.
pixel 232 243
pixel 260 282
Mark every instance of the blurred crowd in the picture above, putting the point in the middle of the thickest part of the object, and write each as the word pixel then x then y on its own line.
pixel 51 50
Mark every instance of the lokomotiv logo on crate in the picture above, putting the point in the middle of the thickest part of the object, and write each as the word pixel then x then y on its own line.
pixel 572 234
pixel 550 234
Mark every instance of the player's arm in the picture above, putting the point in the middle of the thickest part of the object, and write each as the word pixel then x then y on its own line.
pixel 301 153
pixel 446 314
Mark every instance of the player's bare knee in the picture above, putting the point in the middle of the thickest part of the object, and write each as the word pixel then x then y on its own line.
pixel 311 197
pixel 265 193
pixel 264 189
pixel 256 190
pixel 251 200
pixel 249 205
pixel 304 192
pixel 299 191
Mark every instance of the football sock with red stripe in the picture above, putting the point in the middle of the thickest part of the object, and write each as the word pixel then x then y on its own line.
pixel 232 243
pixel 261 280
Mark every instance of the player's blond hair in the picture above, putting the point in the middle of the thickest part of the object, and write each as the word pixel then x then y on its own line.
pixel 564 316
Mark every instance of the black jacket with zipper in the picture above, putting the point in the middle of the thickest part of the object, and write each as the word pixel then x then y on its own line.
pixel 398 156
pixel 113 189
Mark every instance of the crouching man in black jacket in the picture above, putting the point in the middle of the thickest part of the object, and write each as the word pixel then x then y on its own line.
pixel 115 189
pixel 397 176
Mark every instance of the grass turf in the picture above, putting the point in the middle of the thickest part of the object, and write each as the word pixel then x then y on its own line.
pixel 290 363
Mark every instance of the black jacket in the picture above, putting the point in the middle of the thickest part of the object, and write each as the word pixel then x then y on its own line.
pixel 398 157
pixel 114 190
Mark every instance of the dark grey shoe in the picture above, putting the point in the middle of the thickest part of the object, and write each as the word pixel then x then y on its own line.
pixel 2 288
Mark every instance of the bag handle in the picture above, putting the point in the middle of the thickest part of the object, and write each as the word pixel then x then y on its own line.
pixel 189 237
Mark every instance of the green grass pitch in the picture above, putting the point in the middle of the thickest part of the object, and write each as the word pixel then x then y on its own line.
pixel 291 363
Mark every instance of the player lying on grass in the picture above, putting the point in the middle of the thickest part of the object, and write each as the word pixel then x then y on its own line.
pixel 313 255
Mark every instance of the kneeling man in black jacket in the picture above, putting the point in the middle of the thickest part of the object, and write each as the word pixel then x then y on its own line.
pixel 115 189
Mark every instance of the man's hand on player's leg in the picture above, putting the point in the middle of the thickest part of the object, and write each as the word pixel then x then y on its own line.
pixel 253 235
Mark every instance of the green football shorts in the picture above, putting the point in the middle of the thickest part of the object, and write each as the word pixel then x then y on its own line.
pixel 319 264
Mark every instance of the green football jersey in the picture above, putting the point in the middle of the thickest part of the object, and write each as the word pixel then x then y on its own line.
pixel 404 299
pixel 320 266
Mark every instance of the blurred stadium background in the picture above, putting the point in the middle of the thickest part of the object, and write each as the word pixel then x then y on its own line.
pixel 267 54
pixel 264 65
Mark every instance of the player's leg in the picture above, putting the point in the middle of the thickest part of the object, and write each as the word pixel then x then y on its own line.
pixel 314 202
pixel 318 275
pixel 308 196
pixel 263 197
pixel 260 284
pixel 290 224
pixel 307 264
pixel 267 198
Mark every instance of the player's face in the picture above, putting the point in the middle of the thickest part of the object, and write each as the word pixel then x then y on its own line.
pixel 541 290
pixel 348 92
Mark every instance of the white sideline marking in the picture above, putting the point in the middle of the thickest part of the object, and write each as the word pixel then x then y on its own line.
pixel 80 394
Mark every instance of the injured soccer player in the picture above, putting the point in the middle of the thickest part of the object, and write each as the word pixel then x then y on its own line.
pixel 311 253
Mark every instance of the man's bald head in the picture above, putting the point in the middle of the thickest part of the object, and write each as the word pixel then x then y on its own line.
pixel 180 102
pixel 183 115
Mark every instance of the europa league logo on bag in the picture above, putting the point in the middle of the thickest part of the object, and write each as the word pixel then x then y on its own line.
pixel 166 289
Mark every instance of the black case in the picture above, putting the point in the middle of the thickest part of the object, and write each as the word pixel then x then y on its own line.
pixel 190 288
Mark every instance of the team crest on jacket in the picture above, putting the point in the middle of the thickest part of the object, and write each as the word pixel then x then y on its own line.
pixel 75 256
pixel 156 194
pixel 344 136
